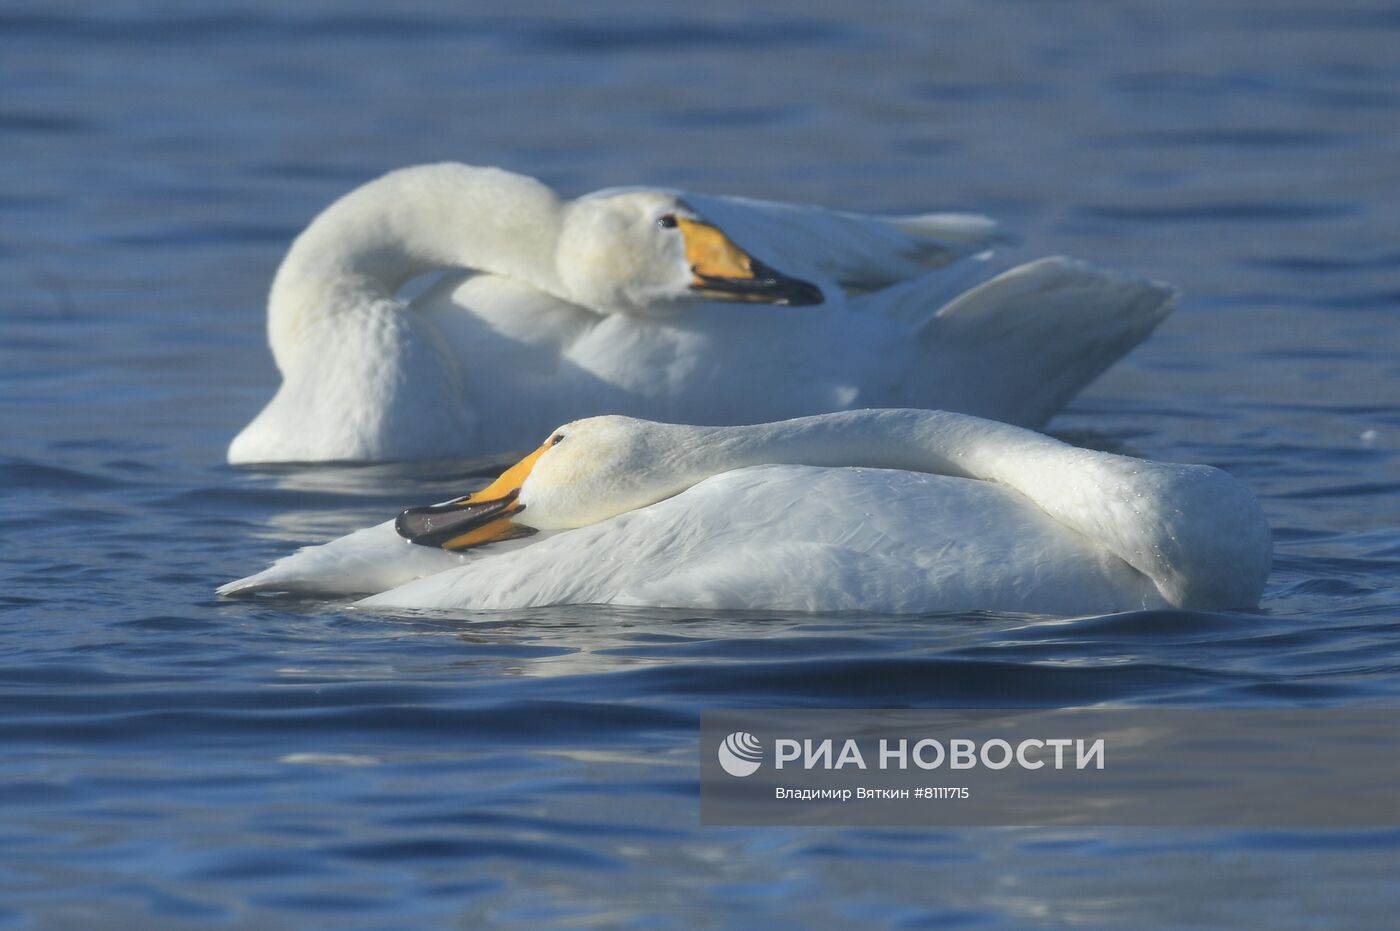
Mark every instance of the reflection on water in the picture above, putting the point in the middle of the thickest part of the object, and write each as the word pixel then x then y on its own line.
pixel 172 759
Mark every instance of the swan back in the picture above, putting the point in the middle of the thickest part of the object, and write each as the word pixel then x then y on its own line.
pixel 1197 533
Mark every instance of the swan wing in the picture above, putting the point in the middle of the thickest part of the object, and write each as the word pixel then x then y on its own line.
pixel 1019 346
pixel 860 252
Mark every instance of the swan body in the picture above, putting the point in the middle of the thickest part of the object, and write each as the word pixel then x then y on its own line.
pixel 644 302
pixel 882 511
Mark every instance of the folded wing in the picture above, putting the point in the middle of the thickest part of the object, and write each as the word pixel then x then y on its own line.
pixel 860 252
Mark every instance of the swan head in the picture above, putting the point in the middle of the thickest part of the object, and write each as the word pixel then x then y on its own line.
pixel 586 472
pixel 647 253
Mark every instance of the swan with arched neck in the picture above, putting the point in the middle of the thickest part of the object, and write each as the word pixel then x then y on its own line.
pixel 658 304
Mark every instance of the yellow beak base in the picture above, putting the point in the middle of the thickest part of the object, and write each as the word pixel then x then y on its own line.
pixel 725 272
pixel 475 519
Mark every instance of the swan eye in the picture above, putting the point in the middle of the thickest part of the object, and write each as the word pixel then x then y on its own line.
pixel 668 222
pixel 556 439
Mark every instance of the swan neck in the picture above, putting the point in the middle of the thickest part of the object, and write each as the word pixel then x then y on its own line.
pixel 934 442
pixel 364 247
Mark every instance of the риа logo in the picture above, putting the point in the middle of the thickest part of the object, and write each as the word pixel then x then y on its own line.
pixel 741 754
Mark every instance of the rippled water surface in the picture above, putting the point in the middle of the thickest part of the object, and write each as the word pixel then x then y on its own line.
pixel 169 759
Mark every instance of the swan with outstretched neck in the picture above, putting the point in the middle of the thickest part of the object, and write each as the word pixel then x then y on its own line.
pixel 654 303
pixel 883 511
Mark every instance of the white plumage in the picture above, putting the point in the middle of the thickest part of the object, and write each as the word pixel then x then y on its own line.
pixel 569 309
pixel 894 511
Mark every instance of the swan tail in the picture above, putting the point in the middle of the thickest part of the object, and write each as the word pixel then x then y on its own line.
pixel 239 588
pixel 1032 337
pixel 370 560
pixel 305 572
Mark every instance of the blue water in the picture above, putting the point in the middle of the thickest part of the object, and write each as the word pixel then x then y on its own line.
pixel 168 759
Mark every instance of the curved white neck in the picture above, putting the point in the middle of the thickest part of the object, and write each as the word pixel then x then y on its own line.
pixel 365 246
pixel 1195 531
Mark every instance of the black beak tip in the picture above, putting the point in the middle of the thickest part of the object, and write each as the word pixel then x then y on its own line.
pixel 793 292
pixel 436 524
pixel 765 287
pixel 803 293
pixel 412 523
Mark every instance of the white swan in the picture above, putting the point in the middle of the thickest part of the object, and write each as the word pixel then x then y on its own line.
pixel 586 307
pixel 885 511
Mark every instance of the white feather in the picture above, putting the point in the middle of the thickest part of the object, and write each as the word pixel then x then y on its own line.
pixel 891 511
pixel 577 308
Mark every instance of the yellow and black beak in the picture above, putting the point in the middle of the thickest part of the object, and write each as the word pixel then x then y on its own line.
pixel 481 517
pixel 725 272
